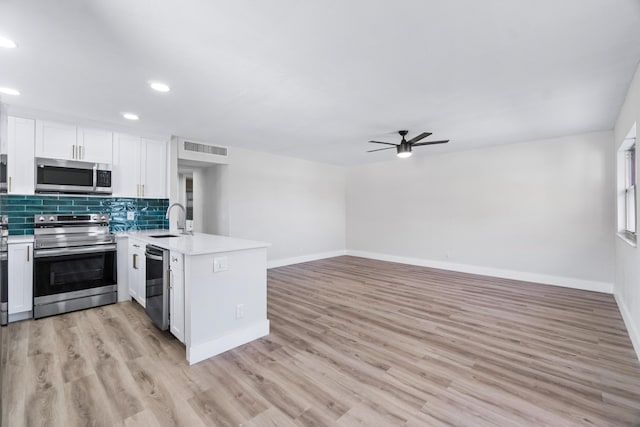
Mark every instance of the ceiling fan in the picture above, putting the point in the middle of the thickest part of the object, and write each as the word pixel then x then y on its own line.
pixel 404 148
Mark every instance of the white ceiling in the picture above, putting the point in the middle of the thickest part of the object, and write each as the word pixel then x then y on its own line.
pixel 317 79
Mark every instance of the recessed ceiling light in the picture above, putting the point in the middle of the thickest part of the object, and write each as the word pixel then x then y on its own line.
pixel 130 116
pixel 7 43
pixel 159 86
pixel 9 91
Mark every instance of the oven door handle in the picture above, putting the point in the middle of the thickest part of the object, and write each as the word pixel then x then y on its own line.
pixel 40 253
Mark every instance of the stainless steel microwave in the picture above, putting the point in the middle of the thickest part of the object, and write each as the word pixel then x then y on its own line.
pixel 3 173
pixel 70 176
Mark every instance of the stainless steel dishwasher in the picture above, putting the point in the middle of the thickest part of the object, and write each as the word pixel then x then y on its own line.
pixel 157 286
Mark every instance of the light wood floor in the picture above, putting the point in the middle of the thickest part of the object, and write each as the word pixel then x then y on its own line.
pixel 353 342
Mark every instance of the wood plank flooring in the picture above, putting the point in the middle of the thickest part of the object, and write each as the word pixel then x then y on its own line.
pixel 353 342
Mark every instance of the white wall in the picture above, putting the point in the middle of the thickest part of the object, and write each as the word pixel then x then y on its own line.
pixel 217 208
pixel 296 205
pixel 540 211
pixel 627 258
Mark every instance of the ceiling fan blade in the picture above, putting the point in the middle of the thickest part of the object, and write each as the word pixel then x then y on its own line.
pixel 378 142
pixel 430 143
pixel 380 149
pixel 419 137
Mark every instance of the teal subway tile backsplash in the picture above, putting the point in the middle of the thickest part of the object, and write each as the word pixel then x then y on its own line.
pixel 149 213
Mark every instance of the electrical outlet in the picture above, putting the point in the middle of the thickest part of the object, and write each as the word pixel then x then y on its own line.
pixel 131 216
pixel 239 311
pixel 220 264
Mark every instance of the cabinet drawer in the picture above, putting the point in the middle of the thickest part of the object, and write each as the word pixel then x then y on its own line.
pixel 136 245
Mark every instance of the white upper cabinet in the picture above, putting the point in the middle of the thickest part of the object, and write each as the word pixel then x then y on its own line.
pixel 153 169
pixel 139 167
pixel 95 145
pixel 67 142
pixel 56 140
pixel 20 153
pixel 126 166
pixel 4 133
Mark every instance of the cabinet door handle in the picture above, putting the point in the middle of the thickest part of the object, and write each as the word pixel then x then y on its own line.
pixel 9 184
pixel 135 259
pixel 28 253
pixel 80 153
pixel 168 278
pixel 142 190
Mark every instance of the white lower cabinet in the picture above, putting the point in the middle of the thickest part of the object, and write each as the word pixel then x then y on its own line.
pixel 176 296
pixel 136 268
pixel 20 273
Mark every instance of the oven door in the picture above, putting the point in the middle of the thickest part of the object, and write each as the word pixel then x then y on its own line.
pixel 73 271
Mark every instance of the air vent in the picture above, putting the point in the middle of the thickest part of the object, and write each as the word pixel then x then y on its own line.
pixel 202 152
pixel 204 148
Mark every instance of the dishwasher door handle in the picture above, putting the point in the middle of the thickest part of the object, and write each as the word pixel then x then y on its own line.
pixel 153 257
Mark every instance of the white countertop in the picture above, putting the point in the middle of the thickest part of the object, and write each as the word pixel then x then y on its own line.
pixel 28 238
pixel 197 244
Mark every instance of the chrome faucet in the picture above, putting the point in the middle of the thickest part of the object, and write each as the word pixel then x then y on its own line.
pixel 184 217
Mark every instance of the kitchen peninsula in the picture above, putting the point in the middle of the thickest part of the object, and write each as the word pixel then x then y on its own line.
pixel 218 297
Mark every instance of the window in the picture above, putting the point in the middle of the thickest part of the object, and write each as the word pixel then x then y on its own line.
pixel 630 190
pixel 627 206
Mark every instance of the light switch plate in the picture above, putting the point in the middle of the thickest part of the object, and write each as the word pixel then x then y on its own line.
pixel 131 216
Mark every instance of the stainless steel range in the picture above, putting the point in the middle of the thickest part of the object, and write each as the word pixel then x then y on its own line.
pixel 74 263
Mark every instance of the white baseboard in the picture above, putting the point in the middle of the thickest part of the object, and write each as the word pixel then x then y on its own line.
pixel 628 321
pixel 567 282
pixel 200 352
pixel 16 317
pixel 304 258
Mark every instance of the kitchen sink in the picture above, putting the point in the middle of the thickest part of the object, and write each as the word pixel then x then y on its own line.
pixel 162 236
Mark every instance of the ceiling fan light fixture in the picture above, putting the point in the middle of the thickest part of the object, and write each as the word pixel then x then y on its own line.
pixel 404 150
pixel 405 147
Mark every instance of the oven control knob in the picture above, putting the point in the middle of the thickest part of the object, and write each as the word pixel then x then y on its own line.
pixel 94 217
pixel 51 218
pixel 41 219
pixel 103 217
